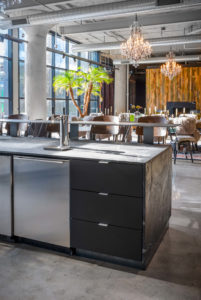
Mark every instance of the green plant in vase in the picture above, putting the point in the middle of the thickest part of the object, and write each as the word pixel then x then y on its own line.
pixel 83 83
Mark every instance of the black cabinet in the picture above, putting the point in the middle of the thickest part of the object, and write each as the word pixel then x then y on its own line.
pixel 111 240
pixel 115 210
pixel 106 208
pixel 108 177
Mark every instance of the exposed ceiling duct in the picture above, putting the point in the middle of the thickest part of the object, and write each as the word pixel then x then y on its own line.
pixel 95 11
pixel 147 21
pixel 103 10
pixel 130 7
pixel 157 60
pixel 88 12
pixel 194 29
pixel 153 42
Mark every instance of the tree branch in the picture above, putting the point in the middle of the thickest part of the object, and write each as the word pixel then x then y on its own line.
pixel 75 103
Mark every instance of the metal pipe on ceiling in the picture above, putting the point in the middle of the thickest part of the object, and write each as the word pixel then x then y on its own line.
pixel 153 42
pixel 110 9
pixel 155 60
pixel 116 9
pixel 94 11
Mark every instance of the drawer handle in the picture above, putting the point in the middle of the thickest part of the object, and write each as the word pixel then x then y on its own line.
pixel 42 160
pixel 103 162
pixel 103 194
pixel 103 224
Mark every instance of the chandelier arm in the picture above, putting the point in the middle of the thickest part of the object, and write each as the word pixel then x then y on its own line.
pixel 136 48
pixel 170 69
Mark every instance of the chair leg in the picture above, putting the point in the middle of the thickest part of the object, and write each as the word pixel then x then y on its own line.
pixel 191 152
pixel 175 153
pixel 138 139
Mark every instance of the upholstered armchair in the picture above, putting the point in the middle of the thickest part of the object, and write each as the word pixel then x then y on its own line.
pixel 187 129
pixel 102 132
pixel 160 133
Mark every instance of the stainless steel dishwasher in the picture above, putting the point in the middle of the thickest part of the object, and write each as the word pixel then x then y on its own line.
pixel 41 200
pixel 5 196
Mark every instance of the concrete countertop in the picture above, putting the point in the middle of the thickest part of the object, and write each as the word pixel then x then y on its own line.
pixel 128 153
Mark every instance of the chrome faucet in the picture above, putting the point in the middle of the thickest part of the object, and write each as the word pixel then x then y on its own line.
pixel 64 134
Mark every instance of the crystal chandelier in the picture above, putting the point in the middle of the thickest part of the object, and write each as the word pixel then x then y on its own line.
pixel 8 3
pixel 136 48
pixel 170 68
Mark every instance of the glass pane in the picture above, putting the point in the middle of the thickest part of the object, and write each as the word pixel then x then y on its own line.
pixel 60 61
pixel 22 46
pixel 22 34
pixel 22 106
pixel 49 58
pixel 60 106
pixel 72 109
pixel 60 44
pixel 49 108
pixel 4 48
pixel 49 40
pixel 4 107
pixel 71 44
pixel 60 94
pixel 84 65
pixel 93 106
pixel 3 77
pixel 72 64
pixel 49 82
pixel 21 79
pixel 94 56
pixel 4 44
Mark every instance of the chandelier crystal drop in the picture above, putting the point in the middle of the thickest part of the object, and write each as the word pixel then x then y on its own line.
pixel 5 4
pixel 136 48
pixel 170 68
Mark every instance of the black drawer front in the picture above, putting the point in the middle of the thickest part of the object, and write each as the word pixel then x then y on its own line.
pixel 111 240
pixel 112 178
pixel 116 210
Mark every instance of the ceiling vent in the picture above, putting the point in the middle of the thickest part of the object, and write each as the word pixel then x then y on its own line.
pixel 168 2
pixel 19 22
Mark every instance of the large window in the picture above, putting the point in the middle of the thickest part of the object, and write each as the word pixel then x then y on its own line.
pixel 5 75
pixel 22 49
pixel 59 102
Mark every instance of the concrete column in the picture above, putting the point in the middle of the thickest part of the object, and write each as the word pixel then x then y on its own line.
pixel 120 96
pixel 35 72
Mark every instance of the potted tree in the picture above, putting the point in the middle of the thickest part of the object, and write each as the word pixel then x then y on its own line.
pixel 86 84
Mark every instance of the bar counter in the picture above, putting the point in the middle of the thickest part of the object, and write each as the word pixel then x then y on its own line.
pixel 102 200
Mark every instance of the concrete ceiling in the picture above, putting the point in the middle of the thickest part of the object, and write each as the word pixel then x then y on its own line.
pixel 177 22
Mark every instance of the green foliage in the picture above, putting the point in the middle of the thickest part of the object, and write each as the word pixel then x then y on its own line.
pixel 67 81
pixel 84 83
pixel 80 80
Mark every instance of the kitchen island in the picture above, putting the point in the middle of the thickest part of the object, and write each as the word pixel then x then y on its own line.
pixel 103 200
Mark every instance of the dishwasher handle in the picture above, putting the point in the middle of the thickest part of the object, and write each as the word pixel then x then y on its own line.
pixel 51 161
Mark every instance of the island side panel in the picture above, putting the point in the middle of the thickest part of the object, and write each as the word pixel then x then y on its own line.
pixel 158 197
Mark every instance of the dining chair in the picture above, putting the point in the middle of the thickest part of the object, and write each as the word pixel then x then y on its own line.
pixel 102 132
pixel 53 128
pixel 160 133
pixel 16 129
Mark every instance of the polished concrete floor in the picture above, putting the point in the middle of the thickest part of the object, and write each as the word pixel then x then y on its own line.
pixel 28 273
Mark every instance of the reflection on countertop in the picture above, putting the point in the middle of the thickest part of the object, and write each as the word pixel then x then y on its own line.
pixel 132 153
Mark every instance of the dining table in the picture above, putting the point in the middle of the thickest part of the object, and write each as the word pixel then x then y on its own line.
pixel 148 127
